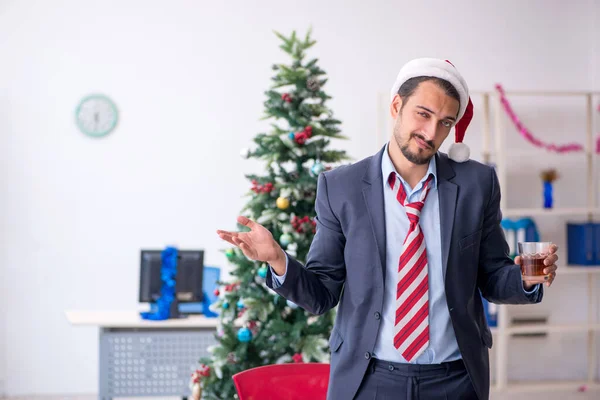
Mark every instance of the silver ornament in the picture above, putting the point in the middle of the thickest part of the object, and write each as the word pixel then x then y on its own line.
pixel 317 168
pixel 285 239
pixel 312 84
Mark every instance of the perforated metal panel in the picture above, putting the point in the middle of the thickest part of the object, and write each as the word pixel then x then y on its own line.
pixel 150 363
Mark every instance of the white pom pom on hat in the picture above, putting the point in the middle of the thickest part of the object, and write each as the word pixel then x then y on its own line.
pixel 459 152
pixel 443 69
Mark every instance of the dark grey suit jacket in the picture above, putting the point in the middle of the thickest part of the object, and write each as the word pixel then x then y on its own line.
pixel 346 264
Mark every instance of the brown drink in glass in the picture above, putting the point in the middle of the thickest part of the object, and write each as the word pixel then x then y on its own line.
pixel 533 255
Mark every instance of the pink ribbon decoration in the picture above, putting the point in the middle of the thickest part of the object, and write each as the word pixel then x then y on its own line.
pixel 566 148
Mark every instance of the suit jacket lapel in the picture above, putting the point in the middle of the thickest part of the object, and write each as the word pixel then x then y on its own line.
pixel 373 195
pixel 447 192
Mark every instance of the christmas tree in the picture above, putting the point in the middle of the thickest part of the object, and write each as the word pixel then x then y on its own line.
pixel 257 326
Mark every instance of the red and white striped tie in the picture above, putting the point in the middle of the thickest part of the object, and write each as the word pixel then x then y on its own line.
pixel 411 327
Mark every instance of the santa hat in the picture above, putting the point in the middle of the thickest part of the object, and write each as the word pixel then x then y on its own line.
pixel 434 67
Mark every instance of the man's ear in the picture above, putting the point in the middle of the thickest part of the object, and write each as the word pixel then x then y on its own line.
pixel 395 106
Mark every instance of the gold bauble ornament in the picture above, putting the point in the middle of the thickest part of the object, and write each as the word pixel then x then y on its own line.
pixel 282 203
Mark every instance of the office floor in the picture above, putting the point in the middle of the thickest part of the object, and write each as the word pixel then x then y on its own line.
pixel 556 395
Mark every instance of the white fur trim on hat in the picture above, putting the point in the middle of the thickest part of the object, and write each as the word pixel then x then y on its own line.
pixel 438 69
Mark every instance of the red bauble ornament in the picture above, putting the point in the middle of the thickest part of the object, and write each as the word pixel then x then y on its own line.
pixel 300 138
pixel 308 131
pixel 253 326
pixel 304 224
pixel 297 358
pixel 266 188
pixel 203 371
pixel 231 287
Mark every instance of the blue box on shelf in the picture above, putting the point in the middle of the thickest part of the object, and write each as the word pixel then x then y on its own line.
pixel 583 244
pixel 519 230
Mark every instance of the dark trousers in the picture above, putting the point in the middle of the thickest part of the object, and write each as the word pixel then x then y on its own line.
pixel 392 381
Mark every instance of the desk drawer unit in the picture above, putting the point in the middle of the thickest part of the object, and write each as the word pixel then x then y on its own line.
pixel 150 362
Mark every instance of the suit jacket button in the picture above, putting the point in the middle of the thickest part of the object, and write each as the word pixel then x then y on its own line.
pixel 377 315
pixel 367 355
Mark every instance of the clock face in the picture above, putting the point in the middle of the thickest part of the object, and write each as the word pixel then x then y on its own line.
pixel 96 115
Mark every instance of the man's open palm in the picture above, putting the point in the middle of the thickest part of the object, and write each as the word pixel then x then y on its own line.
pixel 257 244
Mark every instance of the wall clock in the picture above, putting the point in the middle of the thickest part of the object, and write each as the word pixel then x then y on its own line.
pixel 96 115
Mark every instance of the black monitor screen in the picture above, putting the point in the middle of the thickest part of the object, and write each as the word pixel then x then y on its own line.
pixel 190 266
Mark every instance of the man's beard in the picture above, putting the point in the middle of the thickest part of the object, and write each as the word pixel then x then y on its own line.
pixel 416 158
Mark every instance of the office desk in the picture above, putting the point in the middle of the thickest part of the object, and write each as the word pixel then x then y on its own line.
pixel 146 358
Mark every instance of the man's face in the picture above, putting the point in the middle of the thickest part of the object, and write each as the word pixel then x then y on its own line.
pixel 423 121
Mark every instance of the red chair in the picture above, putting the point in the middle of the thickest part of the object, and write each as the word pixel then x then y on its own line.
pixel 283 382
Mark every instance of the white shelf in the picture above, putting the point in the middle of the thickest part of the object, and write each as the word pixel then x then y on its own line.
pixel 542 93
pixel 557 211
pixel 549 386
pixel 530 154
pixel 547 328
pixel 577 270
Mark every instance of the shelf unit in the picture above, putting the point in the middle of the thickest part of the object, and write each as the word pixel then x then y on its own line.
pixel 504 331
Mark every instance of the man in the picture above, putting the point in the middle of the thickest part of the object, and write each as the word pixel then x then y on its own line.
pixel 406 241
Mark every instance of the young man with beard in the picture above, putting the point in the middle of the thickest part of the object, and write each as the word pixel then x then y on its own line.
pixel 406 241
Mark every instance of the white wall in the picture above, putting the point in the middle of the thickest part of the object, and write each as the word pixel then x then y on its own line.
pixel 595 48
pixel 188 78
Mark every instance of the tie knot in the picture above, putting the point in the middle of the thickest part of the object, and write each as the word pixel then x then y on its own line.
pixel 413 211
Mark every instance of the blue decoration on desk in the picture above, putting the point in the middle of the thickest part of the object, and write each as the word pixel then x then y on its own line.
pixel 244 335
pixel 547 194
pixel 168 272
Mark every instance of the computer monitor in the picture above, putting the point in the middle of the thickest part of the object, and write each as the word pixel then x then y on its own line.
pixel 188 286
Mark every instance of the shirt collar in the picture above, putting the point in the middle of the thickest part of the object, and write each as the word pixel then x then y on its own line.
pixel 387 168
